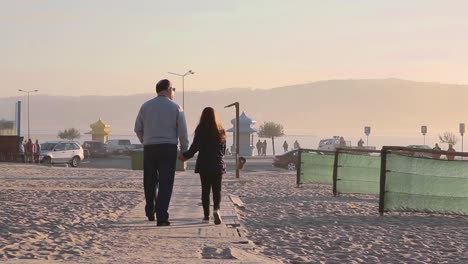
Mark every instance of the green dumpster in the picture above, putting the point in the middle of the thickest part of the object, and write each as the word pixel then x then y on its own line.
pixel 137 161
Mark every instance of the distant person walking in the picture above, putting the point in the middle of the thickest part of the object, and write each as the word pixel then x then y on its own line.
pixel 264 147
pixel 285 146
pixel 450 149
pixel 259 147
pixel 342 142
pixel 21 152
pixel 210 143
pixel 360 143
pixel 296 144
pixel 37 151
pixel 160 124
pixel 435 155
pixel 29 151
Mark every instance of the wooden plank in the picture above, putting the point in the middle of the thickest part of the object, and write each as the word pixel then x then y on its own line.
pixel 236 200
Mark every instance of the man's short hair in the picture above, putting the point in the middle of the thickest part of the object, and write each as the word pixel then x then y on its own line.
pixel 163 85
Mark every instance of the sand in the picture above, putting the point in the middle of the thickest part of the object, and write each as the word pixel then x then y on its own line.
pixel 309 225
pixel 71 215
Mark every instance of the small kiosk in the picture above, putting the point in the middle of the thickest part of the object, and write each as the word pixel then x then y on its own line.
pixel 246 148
pixel 99 131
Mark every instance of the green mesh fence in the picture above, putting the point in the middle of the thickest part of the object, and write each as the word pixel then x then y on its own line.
pixel 427 185
pixel 316 168
pixel 358 173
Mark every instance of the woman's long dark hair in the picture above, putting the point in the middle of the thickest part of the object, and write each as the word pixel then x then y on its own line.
pixel 209 122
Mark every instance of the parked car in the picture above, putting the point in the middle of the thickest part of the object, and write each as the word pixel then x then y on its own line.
pixel 420 154
pixel 95 148
pixel 53 152
pixel 287 160
pixel 330 144
pixel 119 146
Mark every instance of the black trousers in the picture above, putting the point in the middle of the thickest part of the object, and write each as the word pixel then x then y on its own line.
pixel 159 162
pixel 211 181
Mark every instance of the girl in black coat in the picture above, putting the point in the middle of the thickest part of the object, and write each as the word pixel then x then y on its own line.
pixel 210 143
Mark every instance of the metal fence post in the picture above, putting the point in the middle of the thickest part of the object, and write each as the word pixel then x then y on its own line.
pixel 299 165
pixel 335 170
pixel 383 175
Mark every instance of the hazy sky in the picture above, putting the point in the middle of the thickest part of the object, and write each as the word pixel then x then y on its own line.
pixel 123 47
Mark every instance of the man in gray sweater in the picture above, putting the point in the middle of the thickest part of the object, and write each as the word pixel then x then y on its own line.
pixel 160 124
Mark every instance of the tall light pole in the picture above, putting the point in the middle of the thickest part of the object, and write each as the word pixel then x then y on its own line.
pixel 183 81
pixel 28 92
pixel 236 105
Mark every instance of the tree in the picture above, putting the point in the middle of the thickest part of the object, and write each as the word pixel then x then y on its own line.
pixel 271 130
pixel 6 124
pixel 448 138
pixel 70 133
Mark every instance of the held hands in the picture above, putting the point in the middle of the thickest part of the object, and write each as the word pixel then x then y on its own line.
pixel 182 158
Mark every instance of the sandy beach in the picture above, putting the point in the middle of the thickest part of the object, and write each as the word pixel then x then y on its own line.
pixel 72 215
pixel 60 213
pixel 309 225
pixel 97 216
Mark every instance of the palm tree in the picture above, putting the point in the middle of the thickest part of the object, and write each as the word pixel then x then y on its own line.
pixel 70 133
pixel 271 130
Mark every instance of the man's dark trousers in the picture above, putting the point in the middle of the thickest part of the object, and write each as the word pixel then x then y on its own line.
pixel 159 162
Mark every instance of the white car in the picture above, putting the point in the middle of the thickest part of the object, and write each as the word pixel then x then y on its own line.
pixel 331 144
pixel 69 152
pixel 420 154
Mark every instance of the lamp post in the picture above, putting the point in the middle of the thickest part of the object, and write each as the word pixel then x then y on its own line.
pixel 183 81
pixel 236 104
pixel 28 92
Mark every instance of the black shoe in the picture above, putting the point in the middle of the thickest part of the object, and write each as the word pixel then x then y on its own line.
pixel 166 223
pixel 217 217
pixel 151 218
pixel 206 218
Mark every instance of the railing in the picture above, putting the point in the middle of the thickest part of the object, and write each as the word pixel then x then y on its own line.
pixel 409 183
pixel 406 179
pixel 315 166
pixel 356 171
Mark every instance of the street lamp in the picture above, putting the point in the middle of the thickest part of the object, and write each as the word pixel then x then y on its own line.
pixel 183 89
pixel 28 92
pixel 236 105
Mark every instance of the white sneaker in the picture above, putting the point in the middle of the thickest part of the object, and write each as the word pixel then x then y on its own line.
pixel 217 217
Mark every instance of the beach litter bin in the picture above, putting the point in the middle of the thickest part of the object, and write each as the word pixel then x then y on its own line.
pixel 241 163
pixel 137 161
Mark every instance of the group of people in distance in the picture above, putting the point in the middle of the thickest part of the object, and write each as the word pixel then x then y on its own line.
pixel 160 126
pixel 261 148
pixel 286 146
pixel 29 152
pixel 450 149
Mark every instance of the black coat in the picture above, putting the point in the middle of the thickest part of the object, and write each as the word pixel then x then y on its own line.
pixel 210 154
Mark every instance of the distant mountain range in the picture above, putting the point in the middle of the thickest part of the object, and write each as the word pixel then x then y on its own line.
pixel 335 107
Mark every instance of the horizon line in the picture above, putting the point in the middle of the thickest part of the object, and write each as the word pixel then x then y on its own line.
pixel 251 88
